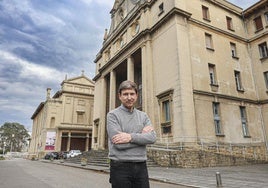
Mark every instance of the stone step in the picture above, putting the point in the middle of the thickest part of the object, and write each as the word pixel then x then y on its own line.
pixel 99 158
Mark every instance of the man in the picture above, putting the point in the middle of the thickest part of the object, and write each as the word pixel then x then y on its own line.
pixel 129 131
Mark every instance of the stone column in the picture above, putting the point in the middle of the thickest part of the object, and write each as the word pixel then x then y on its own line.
pixel 69 141
pixel 113 92
pixel 130 68
pixel 101 111
pixel 87 142
pixel 147 79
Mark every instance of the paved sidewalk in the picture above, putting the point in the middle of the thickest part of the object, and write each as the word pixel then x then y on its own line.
pixel 250 176
pixel 253 176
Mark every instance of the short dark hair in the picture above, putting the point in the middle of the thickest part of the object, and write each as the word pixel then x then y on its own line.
pixel 127 84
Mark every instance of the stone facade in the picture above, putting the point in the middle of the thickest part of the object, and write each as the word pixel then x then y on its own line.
pixel 64 122
pixel 201 67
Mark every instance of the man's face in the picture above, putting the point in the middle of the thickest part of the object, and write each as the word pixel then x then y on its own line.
pixel 128 97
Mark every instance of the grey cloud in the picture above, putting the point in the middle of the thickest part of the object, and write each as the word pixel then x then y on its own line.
pixel 40 42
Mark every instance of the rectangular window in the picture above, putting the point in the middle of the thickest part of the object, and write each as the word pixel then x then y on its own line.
pixel 266 17
pixel 166 111
pixel 258 23
pixel 205 12
pixel 233 50
pixel 208 38
pixel 166 126
pixel 263 50
pixel 212 74
pixel 238 80
pixel 266 78
pixel 217 119
pixel 229 23
pixel 244 121
pixel 165 101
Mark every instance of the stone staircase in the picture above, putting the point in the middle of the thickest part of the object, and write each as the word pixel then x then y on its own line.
pixel 99 158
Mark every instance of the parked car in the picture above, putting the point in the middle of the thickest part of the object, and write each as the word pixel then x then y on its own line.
pixel 63 154
pixel 73 153
pixel 52 155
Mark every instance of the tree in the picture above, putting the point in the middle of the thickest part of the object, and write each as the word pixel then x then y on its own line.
pixel 14 135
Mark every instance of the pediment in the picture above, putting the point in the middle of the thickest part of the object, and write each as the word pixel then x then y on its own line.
pixel 81 80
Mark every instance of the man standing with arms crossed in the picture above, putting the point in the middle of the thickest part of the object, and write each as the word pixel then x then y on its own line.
pixel 129 131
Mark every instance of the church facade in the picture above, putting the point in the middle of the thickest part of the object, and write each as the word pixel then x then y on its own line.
pixel 201 67
pixel 64 122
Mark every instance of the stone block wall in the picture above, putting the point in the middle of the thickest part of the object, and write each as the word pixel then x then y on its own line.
pixel 194 158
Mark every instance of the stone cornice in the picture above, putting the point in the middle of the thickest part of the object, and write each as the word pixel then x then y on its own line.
pixel 255 7
pixel 227 6
pixel 39 108
pixel 69 126
pixel 229 97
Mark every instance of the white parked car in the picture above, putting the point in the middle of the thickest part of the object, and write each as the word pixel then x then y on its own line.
pixel 73 153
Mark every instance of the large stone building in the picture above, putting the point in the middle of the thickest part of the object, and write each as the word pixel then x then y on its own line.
pixel 201 67
pixel 64 122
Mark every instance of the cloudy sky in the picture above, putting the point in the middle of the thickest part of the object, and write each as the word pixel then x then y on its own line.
pixel 41 41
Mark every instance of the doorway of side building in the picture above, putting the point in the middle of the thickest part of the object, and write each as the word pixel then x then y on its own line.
pixel 78 141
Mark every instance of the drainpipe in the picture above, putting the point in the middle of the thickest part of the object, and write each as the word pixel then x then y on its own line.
pixel 264 132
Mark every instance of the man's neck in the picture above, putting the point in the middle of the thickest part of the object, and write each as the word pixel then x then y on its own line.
pixel 129 109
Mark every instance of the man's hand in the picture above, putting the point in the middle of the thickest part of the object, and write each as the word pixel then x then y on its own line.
pixel 147 129
pixel 121 138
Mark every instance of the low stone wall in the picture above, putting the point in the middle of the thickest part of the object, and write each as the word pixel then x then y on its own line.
pixel 193 158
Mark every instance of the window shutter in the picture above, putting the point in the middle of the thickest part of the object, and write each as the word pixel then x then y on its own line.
pixel 258 23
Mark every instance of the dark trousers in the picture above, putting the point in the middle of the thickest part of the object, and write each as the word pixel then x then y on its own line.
pixel 129 175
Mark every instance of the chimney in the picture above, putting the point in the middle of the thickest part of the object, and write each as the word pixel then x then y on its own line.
pixel 48 93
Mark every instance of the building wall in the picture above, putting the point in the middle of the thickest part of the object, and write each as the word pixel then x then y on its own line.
pixel 225 65
pixel 257 37
pixel 175 66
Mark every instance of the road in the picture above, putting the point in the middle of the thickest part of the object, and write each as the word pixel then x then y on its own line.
pixel 21 173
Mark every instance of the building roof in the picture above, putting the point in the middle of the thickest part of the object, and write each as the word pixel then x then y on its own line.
pixel 255 7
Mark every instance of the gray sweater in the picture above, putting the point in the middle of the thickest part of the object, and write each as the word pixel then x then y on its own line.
pixel 122 120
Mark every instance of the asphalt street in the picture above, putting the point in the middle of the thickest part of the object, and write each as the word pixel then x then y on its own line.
pixel 248 176
pixel 21 173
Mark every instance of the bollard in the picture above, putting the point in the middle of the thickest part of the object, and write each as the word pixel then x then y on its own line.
pixel 218 179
